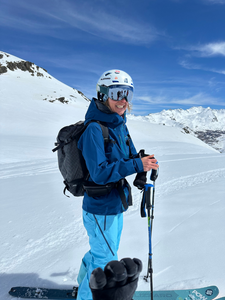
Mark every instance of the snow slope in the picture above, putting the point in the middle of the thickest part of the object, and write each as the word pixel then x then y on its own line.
pixel 42 236
pixel 24 98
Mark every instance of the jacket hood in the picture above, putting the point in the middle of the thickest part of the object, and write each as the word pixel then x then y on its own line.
pixel 97 111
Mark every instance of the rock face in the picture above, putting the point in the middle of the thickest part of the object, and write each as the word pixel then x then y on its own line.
pixel 214 138
pixel 3 69
pixel 26 66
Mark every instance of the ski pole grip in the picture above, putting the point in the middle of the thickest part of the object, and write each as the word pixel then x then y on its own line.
pixel 154 173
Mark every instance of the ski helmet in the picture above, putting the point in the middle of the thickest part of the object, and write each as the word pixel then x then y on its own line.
pixel 114 79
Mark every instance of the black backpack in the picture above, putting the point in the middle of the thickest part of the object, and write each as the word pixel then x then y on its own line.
pixel 70 159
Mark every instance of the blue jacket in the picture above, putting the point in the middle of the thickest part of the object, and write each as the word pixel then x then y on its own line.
pixel 107 162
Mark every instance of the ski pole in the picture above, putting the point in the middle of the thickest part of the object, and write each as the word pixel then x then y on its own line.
pixel 148 204
pixel 149 207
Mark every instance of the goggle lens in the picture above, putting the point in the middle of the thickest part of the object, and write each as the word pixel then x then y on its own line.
pixel 118 92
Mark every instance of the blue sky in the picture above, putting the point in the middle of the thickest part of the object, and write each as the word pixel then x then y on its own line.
pixel 173 49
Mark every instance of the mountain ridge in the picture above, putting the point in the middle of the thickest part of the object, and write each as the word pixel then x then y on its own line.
pixel 11 65
pixel 205 123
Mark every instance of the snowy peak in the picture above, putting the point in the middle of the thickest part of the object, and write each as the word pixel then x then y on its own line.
pixel 12 63
pixel 205 123
pixel 196 118
pixel 34 101
pixel 23 75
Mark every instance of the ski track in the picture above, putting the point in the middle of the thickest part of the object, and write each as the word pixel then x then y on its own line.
pixel 46 245
pixel 188 158
pixel 65 236
pixel 180 183
pixel 178 224
pixel 188 181
pixel 28 168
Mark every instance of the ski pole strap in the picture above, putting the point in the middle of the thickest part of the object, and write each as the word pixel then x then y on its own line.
pixel 119 186
pixel 146 202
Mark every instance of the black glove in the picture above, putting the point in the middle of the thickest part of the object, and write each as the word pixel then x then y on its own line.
pixel 141 178
pixel 118 281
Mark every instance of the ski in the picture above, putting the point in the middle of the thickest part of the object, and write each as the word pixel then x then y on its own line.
pixel 207 293
pixel 43 293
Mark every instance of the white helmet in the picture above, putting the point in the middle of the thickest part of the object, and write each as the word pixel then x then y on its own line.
pixel 113 79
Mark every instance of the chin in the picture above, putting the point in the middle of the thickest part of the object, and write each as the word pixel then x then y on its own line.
pixel 121 113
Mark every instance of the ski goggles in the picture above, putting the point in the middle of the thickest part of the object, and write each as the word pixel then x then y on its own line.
pixel 118 92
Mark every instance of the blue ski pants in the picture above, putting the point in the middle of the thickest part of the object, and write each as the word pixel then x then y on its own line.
pixel 104 237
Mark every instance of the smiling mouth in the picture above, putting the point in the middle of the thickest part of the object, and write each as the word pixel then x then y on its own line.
pixel 120 106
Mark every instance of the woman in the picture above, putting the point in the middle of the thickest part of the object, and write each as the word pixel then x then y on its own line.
pixel 108 163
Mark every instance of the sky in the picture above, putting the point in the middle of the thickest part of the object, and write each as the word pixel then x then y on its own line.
pixel 173 49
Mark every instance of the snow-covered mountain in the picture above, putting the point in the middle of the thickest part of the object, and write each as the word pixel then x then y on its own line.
pixel 205 123
pixel 42 236
pixel 45 86
pixel 196 118
pixel 29 93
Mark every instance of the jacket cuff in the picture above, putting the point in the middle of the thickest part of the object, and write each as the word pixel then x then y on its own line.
pixel 138 165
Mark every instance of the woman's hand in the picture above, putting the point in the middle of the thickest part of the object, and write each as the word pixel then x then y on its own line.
pixel 149 163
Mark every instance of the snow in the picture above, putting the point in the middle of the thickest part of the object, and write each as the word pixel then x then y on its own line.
pixel 196 118
pixel 196 121
pixel 42 236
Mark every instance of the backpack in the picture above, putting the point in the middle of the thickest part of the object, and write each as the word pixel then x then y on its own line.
pixel 70 159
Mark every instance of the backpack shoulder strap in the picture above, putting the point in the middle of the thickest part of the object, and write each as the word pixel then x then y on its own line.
pixel 128 144
pixel 105 132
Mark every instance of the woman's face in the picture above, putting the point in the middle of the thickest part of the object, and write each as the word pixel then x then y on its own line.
pixel 118 107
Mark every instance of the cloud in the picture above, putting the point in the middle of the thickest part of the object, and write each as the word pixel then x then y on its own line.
pixel 207 50
pixel 191 66
pixel 60 18
pixel 211 49
pixel 197 99
pixel 188 65
pixel 214 1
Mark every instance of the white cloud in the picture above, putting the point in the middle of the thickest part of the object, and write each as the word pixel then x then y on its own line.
pixel 215 1
pixel 155 99
pixel 198 99
pixel 212 49
pixel 191 66
pixel 104 21
pixel 207 50
pixel 187 65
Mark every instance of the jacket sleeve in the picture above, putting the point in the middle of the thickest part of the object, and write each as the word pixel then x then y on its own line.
pixel 102 171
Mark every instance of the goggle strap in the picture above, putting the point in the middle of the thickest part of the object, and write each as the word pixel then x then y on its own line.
pixel 104 90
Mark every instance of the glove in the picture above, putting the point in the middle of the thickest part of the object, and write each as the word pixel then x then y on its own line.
pixel 141 178
pixel 118 281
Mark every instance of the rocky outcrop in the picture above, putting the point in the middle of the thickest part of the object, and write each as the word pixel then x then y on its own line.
pixel 25 66
pixel 3 69
pixel 22 65
pixel 211 137
pixel 60 99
